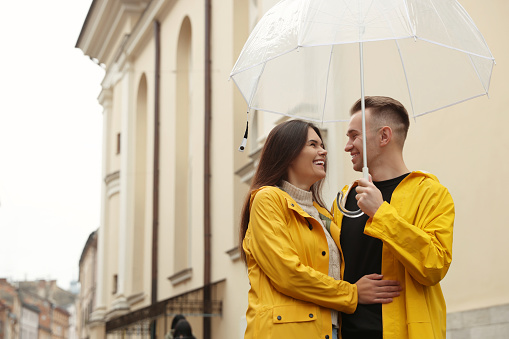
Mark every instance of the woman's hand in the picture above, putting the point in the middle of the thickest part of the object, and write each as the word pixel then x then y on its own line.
pixel 371 289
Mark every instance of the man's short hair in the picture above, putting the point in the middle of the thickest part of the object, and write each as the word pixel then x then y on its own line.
pixel 386 111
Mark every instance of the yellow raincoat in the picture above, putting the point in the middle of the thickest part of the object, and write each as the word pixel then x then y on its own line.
pixel 416 231
pixel 288 261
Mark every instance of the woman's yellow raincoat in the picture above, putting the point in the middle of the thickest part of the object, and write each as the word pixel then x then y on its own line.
pixel 416 231
pixel 288 261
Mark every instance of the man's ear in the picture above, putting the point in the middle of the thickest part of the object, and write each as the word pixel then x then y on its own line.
pixel 385 136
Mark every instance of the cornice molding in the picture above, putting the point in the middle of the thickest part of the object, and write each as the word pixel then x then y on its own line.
pixel 104 24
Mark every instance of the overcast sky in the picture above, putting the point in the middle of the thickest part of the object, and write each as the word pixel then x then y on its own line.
pixel 50 140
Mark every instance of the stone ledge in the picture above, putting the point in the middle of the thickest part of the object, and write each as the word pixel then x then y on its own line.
pixel 486 323
pixel 181 276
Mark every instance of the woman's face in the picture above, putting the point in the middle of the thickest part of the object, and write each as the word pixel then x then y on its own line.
pixel 309 166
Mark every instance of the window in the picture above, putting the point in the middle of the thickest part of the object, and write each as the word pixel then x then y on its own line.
pixel 115 284
pixel 118 143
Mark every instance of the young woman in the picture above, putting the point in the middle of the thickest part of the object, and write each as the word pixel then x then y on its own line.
pixel 291 247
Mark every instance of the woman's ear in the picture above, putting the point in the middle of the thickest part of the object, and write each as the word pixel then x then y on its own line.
pixel 385 136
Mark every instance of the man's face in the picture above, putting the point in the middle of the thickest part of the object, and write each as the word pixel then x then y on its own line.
pixel 354 143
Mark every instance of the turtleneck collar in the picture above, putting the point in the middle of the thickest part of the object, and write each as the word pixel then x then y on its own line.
pixel 301 197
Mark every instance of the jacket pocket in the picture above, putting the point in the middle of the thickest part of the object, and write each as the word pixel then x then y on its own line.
pixel 294 314
pixel 289 321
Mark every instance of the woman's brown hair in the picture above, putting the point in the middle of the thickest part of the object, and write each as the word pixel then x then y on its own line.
pixel 284 143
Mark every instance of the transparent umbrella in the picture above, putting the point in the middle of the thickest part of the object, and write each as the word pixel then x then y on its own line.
pixel 302 55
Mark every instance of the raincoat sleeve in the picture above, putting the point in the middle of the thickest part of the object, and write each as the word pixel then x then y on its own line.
pixel 420 235
pixel 274 251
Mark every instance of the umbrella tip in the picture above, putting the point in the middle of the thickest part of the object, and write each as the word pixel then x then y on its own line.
pixel 244 140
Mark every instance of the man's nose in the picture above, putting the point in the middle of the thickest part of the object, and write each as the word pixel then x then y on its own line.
pixel 348 146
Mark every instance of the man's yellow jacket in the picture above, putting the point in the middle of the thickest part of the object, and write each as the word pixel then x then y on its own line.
pixel 288 261
pixel 416 230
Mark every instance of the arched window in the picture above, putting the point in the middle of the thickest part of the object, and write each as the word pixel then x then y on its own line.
pixel 183 150
pixel 140 186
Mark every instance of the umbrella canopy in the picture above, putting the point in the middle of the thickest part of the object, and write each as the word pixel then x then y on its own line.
pixel 302 55
pixel 426 53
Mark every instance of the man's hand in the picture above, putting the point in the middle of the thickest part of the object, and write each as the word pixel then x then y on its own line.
pixel 371 289
pixel 369 198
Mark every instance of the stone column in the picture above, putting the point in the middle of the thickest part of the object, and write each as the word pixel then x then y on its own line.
pixel 125 235
pixel 98 314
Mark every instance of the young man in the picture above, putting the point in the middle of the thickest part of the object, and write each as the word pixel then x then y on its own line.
pixel 405 233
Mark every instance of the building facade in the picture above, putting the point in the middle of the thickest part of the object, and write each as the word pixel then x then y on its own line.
pixel 87 278
pixel 35 310
pixel 29 322
pixel 174 181
pixel 10 311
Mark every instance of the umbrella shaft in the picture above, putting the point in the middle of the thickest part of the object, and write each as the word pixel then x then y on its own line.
pixel 365 170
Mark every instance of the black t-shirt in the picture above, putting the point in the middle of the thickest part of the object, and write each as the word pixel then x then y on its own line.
pixel 363 255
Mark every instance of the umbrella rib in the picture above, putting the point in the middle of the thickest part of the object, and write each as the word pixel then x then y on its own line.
pixel 489 79
pixel 346 7
pixel 264 61
pixel 402 65
pixel 293 115
pixel 406 78
pixel 477 73
pixel 441 20
pixel 327 81
pixel 455 48
pixel 389 24
pixel 240 90
pixel 357 41
pixel 473 24
pixel 256 84
pixel 449 105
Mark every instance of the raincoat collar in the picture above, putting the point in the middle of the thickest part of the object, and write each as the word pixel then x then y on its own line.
pixel 292 204
pixel 414 174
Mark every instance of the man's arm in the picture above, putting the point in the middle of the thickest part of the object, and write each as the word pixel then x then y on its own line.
pixel 420 236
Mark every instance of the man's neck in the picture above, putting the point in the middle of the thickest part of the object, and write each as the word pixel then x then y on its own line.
pixel 388 170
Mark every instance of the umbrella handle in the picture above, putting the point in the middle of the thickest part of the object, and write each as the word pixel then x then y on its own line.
pixel 341 203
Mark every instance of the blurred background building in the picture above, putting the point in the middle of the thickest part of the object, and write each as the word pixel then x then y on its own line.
pixel 36 310
pixel 174 181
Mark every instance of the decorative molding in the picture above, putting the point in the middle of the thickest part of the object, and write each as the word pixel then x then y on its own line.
pixel 112 181
pixel 111 177
pixel 106 98
pixel 143 26
pixel 135 298
pixel 119 307
pixel 121 48
pixel 181 276
pixel 234 253
pixel 247 171
pixel 97 318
